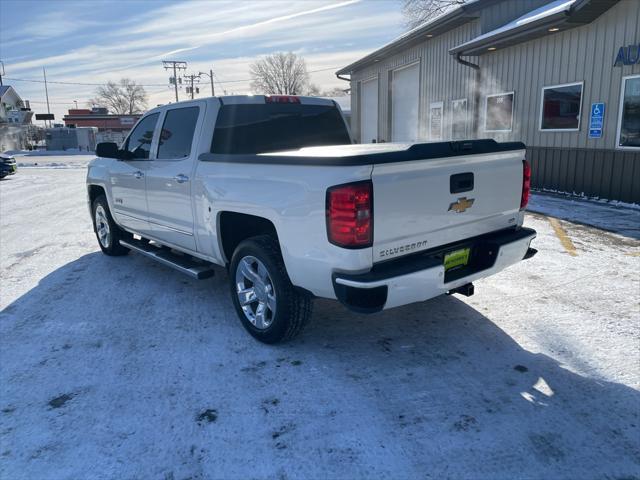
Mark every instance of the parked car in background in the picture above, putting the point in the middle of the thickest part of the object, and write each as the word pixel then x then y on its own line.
pixel 7 165
pixel 272 189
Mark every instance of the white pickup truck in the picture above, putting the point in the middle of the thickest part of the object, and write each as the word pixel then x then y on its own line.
pixel 271 188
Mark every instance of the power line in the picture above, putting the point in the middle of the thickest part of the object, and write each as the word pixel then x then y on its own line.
pixel 70 102
pixel 75 83
pixel 59 82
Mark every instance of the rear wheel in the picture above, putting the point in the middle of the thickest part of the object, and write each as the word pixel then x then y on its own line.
pixel 107 232
pixel 268 305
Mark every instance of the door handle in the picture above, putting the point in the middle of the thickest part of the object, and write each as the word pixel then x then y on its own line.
pixel 181 178
pixel 138 174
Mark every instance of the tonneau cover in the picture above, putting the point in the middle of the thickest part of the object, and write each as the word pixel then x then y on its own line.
pixel 369 154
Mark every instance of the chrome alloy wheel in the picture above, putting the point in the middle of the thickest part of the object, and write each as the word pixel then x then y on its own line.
pixel 102 227
pixel 255 291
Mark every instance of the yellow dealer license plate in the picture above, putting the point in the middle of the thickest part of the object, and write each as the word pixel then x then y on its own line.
pixel 457 258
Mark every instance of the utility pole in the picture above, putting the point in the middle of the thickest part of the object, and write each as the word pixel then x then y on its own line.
pixel 175 65
pixel 1 71
pixel 46 92
pixel 191 79
pixel 210 75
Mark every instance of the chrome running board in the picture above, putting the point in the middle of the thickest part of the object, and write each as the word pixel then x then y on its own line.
pixel 184 263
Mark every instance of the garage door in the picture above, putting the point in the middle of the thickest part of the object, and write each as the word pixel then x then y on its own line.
pixel 405 96
pixel 369 111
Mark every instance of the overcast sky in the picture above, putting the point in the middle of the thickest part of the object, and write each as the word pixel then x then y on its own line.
pixel 93 41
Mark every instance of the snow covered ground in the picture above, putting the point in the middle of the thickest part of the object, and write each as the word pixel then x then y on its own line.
pixel 614 217
pixel 122 368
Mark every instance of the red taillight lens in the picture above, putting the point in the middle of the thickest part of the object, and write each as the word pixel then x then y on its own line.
pixel 526 184
pixel 350 215
pixel 282 99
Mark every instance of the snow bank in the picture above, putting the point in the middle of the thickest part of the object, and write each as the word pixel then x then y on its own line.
pixel 46 153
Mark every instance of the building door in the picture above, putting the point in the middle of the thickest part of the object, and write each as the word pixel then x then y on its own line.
pixel 128 178
pixel 405 103
pixel 369 111
pixel 169 177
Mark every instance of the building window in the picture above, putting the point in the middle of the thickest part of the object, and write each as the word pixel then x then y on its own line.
pixel 436 112
pixel 498 114
pixel 459 119
pixel 629 120
pixel 561 107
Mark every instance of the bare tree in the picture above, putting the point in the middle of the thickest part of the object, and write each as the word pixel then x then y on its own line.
pixel 124 98
pixel 416 12
pixel 280 74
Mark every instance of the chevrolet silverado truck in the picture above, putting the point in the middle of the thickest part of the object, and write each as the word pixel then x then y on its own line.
pixel 272 189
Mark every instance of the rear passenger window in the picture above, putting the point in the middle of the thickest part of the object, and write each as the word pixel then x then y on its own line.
pixel 139 142
pixel 270 127
pixel 177 133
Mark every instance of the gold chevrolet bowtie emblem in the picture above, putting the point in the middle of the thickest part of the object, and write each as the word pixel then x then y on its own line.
pixel 461 205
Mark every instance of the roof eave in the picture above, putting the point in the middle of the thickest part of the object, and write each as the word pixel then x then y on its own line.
pixel 528 31
pixel 453 19
pixel 581 13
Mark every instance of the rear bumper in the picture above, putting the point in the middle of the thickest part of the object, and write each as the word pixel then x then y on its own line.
pixel 419 277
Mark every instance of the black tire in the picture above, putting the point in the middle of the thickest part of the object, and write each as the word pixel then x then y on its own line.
pixel 115 233
pixel 292 308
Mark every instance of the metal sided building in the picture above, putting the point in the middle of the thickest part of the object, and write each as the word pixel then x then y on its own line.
pixel 561 76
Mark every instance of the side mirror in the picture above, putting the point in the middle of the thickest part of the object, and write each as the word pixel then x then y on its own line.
pixel 108 150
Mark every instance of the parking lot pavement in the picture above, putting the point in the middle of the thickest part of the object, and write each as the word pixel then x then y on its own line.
pixel 121 368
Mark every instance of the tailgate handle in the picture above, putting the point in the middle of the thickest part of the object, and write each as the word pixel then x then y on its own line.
pixel 461 182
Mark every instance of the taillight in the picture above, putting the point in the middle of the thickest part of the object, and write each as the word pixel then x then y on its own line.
pixel 282 99
pixel 350 215
pixel 526 184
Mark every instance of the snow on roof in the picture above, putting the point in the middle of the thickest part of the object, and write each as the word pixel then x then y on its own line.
pixel 414 32
pixel 538 14
pixel 426 23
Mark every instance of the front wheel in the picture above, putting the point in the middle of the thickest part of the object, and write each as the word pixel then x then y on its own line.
pixel 107 232
pixel 268 305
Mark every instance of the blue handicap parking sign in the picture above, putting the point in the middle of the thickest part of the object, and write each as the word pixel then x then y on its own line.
pixel 596 121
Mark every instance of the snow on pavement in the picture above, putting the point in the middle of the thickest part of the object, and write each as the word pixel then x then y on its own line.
pixel 615 217
pixel 122 368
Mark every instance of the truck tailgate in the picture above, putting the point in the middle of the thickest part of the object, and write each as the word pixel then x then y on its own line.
pixel 423 204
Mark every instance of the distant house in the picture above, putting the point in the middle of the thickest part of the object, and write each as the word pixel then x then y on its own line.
pixel 16 130
pixel 12 108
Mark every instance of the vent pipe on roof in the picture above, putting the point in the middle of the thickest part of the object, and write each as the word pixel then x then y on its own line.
pixel 476 93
